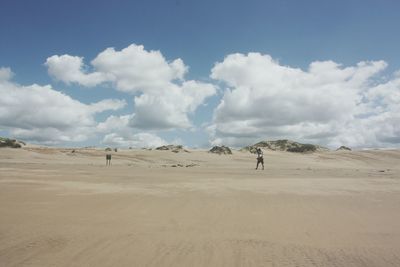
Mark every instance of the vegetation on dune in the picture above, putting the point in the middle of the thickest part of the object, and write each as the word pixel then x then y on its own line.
pixel 7 142
pixel 302 148
pixel 220 150
pixel 344 148
pixel 173 148
pixel 283 145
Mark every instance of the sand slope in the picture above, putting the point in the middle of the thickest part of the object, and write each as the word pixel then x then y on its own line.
pixel 59 208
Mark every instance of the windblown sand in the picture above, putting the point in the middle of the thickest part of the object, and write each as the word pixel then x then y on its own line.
pixel 59 208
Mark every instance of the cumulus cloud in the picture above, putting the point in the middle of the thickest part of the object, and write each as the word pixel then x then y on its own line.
pixel 136 70
pixel 163 99
pixel 328 103
pixel 42 114
pixel 114 123
pixel 107 104
pixel 71 69
pixel 118 133
pixel 133 140
pixel 169 108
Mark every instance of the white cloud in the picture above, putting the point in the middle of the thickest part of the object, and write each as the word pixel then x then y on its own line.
pixel 118 133
pixel 70 69
pixel 170 108
pixel 136 70
pixel 42 114
pixel 328 103
pixel 115 123
pixel 163 99
pixel 107 104
pixel 133 140
pixel 133 69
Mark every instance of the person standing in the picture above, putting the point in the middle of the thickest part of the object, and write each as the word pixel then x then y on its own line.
pixel 108 159
pixel 260 158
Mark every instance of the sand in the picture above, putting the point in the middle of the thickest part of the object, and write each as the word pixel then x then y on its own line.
pixel 158 208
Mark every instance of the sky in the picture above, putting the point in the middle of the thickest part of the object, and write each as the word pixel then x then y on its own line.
pixel 200 73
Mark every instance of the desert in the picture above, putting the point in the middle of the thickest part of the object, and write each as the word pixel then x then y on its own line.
pixel 65 207
pixel 199 133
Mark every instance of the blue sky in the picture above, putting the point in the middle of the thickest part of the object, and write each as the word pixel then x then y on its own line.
pixel 201 33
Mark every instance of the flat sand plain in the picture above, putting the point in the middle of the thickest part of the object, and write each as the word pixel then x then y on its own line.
pixel 158 208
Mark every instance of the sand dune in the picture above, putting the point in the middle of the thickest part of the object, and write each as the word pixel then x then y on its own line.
pixel 158 208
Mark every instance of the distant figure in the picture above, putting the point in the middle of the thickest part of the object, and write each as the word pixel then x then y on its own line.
pixel 108 159
pixel 260 158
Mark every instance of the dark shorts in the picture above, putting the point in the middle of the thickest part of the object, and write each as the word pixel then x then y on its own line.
pixel 260 160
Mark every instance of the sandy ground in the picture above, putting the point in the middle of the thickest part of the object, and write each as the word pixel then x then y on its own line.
pixel 59 208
